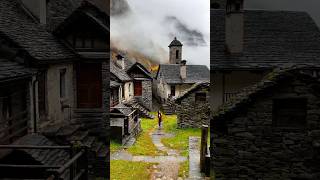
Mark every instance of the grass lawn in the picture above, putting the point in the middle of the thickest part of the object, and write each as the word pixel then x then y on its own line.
pixel 127 170
pixel 180 141
pixel 114 146
pixel 144 145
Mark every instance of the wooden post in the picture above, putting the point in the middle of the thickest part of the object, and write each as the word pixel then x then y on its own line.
pixel 203 148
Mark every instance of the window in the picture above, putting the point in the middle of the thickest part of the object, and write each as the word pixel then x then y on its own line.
pixel 173 91
pixel 200 98
pixel 63 83
pixel 177 54
pixel 137 88
pixel 290 112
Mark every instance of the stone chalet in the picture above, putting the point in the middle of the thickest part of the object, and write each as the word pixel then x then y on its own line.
pixel 65 100
pixel 270 130
pixel 176 77
pixel 248 44
pixel 192 107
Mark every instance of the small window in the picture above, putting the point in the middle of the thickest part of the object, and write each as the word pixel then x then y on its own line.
pixel 173 91
pixel 290 113
pixel 177 54
pixel 63 83
pixel 200 98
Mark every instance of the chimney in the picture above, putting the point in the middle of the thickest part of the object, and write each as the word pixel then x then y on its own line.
pixel 234 26
pixel 37 9
pixel 120 61
pixel 183 70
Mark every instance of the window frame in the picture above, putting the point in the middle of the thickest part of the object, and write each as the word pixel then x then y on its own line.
pixel 275 117
pixel 62 82
pixel 197 101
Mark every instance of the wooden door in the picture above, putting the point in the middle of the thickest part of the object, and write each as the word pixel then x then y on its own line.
pixel 89 85
pixel 137 88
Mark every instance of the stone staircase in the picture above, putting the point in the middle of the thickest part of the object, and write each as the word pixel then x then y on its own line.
pixel 168 108
pixel 144 112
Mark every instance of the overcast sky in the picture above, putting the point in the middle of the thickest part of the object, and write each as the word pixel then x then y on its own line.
pixel 310 6
pixel 154 23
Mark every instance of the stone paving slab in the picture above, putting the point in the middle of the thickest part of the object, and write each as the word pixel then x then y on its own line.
pixel 194 158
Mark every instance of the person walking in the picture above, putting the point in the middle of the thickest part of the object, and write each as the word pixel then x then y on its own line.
pixel 159 119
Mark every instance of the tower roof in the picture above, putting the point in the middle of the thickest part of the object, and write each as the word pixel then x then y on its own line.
pixel 175 42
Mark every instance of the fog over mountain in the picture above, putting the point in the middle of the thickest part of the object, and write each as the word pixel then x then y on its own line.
pixel 148 26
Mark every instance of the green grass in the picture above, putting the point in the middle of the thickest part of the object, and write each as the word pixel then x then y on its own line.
pixel 144 145
pixel 127 170
pixel 114 146
pixel 184 169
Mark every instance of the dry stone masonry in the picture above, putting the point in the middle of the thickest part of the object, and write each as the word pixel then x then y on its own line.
pixel 251 139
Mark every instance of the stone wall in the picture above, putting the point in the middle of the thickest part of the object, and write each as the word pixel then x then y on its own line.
pixel 191 114
pixel 147 94
pixel 253 148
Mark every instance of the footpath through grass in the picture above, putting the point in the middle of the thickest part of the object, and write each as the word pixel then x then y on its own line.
pixel 180 141
pixel 128 170
pixel 143 144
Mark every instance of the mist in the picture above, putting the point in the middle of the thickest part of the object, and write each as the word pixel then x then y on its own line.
pixel 148 26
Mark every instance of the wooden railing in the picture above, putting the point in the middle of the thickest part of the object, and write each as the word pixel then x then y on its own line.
pixel 77 165
pixel 14 127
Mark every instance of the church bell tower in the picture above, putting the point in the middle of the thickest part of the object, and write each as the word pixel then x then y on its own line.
pixel 175 52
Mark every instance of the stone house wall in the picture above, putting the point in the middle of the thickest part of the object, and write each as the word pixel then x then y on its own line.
pixel 55 111
pixel 147 93
pixel 191 114
pixel 146 97
pixel 253 148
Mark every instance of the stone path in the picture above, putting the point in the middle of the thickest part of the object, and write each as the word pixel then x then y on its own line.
pixel 167 166
pixel 194 160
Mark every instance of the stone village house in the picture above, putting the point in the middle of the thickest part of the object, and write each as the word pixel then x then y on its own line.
pixel 67 44
pixel 270 130
pixel 192 107
pixel 174 78
pixel 124 120
pixel 248 44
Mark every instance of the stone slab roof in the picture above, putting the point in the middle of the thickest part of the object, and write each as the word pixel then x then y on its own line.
pixel 114 84
pixel 195 74
pixel 125 110
pixel 59 10
pixel 271 39
pixel 55 157
pixel 192 89
pixel 32 37
pixel 10 70
pixel 121 74
pixel 249 94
